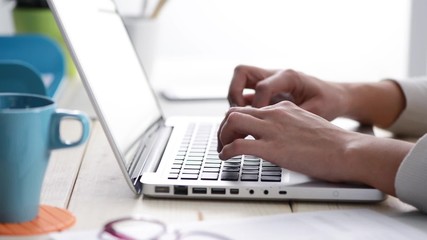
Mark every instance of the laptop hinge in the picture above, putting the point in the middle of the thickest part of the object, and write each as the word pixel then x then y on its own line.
pixel 150 151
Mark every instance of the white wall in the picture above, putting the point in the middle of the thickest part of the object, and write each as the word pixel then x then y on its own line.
pixel 417 63
pixel 6 23
pixel 352 40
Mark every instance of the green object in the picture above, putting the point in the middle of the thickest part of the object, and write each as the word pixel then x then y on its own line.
pixel 40 20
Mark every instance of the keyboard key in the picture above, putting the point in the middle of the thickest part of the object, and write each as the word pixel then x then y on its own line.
pixel 190 171
pixel 211 170
pixel 212 165
pixel 196 154
pixel 249 177
pixel 250 167
pixel 181 153
pixel 273 173
pixel 197 150
pixel 231 164
pixel 199 163
pixel 250 171
pixel 173 176
pixel 176 166
pixel 234 160
pixel 271 178
pixel 212 156
pixel 198 167
pixel 230 169
pixel 189 176
pixel 199 145
pixel 213 161
pixel 246 163
pixel 230 176
pixel 195 158
pixel 268 164
pixel 252 162
pixel 209 176
pixel 271 169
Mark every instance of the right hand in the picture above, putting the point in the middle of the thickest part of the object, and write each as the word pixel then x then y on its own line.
pixel 289 137
pixel 325 99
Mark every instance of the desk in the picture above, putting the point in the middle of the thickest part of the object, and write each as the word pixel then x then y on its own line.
pixel 87 181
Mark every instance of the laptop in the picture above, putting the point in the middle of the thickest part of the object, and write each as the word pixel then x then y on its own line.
pixel 174 157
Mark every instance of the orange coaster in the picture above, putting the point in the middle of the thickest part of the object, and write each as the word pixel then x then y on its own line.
pixel 50 219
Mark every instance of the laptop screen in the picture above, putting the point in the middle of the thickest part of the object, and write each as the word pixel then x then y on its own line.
pixel 108 62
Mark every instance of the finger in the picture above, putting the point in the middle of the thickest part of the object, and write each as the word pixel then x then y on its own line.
pixel 248 99
pixel 244 77
pixel 246 110
pixel 242 146
pixel 280 82
pixel 219 144
pixel 255 112
pixel 239 125
pixel 281 97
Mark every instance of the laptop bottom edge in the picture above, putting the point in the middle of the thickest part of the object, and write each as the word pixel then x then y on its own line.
pixel 271 193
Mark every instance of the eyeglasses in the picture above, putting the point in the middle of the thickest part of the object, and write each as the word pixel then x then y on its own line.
pixel 150 229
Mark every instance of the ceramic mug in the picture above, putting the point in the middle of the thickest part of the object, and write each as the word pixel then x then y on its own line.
pixel 29 130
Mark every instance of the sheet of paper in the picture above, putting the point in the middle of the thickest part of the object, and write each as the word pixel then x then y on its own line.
pixel 337 224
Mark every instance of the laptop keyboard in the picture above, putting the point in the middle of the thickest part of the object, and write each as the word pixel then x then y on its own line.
pixel 197 159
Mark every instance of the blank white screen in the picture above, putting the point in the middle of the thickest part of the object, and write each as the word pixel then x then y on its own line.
pixel 109 64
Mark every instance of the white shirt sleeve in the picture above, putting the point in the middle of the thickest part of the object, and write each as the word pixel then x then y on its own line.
pixel 411 177
pixel 413 120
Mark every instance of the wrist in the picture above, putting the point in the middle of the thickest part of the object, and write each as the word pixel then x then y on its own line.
pixel 356 94
pixel 374 161
pixel 378 104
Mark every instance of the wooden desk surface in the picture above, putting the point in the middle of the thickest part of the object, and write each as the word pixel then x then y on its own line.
pixel 87 181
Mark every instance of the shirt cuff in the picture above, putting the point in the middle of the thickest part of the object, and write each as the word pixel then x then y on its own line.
pixel 413 119
pixel 411 177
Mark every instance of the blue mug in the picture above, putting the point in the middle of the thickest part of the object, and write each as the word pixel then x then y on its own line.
pixel 29 130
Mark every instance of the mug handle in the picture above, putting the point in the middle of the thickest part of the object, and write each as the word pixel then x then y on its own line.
pixel 56 141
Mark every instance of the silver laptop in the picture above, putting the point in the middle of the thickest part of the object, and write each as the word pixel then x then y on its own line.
pixel 176 157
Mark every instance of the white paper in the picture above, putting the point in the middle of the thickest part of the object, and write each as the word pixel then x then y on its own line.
pixel 338 224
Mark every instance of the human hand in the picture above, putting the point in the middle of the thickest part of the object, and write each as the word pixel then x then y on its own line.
pixel 326 99
pixel 287 136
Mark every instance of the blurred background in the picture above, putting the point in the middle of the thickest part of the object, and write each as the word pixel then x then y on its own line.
pixel 199 42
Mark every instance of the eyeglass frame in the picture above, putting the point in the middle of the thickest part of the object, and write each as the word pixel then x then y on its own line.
pixel 108 228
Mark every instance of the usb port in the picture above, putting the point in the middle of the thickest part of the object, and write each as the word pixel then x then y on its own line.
pixel 180 190
pixel 161 189
pixel 200 190
pixel 283 192
pixel 218 190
